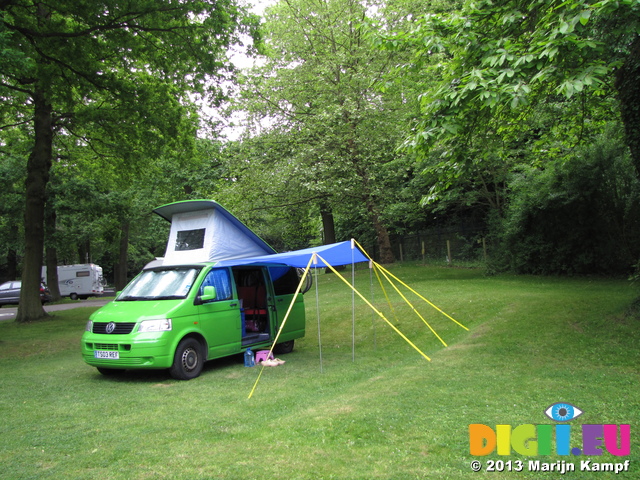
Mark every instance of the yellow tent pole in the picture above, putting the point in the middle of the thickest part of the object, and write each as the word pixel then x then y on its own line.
pixel 384 290
pixel 411 289
pixel 374 308
pixel 284 320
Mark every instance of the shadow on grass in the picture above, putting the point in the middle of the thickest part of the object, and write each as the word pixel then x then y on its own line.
pixel 155 376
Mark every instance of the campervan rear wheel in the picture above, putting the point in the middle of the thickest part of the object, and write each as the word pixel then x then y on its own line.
pixel 73 296
pixel 188 360
pixel 284 347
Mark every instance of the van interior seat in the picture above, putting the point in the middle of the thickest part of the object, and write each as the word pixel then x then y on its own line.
pixel 254 300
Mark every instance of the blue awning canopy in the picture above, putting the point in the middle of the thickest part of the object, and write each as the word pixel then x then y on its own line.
pixel 335 254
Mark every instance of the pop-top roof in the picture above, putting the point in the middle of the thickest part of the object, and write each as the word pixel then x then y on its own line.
pixel 204 231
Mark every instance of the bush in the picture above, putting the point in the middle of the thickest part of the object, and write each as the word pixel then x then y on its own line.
pixel 578 216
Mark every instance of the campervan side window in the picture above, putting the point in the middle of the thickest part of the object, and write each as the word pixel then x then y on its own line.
pixel 285 280
pixel 190 240
pixel 218 278
pixel 86 273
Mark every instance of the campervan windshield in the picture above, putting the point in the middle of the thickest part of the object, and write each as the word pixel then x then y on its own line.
pixel 161 284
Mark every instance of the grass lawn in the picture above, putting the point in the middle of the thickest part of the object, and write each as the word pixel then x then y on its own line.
pixel 532 342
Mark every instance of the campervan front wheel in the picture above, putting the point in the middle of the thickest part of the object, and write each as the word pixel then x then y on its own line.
pixel 188 360
pixel 110 371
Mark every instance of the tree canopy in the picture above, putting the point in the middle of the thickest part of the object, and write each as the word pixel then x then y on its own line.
pixel 115 75
pixel 494 58
pixel 362 118
pixel 317 95
pixel 517 86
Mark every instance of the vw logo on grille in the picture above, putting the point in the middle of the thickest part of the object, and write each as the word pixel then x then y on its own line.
pixel 111 326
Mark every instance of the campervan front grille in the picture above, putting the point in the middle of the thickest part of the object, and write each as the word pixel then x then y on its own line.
pixel 105 346
pixel 121 328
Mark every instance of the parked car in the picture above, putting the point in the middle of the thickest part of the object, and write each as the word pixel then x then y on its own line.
pixel 10 293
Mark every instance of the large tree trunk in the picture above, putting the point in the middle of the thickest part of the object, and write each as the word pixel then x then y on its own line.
pixel 328 225
pixel 52 273
pixel 38 168
pixel 382 234
pixel 329 230
pixel 84 252
pixel 628 86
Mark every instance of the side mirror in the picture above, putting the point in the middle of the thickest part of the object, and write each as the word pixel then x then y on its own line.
pixel 209 293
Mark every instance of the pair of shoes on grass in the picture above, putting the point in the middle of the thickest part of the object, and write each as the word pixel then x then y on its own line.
pixel 272 362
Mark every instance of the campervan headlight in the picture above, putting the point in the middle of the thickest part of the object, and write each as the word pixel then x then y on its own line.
pixel 163 325
pixel 89 326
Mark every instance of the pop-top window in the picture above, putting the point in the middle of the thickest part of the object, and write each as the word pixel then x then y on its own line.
pixel 190 240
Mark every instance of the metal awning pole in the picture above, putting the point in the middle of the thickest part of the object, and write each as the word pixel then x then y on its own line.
pixel 353 301
pixel 373 315
pixel 315 262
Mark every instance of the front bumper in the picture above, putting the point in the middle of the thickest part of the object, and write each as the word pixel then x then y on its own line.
pixel 132 352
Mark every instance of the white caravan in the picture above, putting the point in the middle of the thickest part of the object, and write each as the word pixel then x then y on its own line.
pixel 79 281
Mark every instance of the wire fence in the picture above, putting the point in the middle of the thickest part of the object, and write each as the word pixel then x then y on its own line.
pixel 441 244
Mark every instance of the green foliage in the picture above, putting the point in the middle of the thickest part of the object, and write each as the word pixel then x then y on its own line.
pixel 487 65
pixel 12 174
pixel 314 105
pixel 577 216
pixel 512 95
pixel 497 102
pixel 491 57
pixel 113 85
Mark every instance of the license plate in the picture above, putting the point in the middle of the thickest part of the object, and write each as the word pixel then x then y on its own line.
pixel 106 354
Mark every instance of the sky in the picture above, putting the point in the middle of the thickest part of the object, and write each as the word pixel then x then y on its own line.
pixel 243 62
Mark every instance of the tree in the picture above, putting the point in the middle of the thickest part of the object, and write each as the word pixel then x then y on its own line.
pixel 125 67
pixel 578 215
pixel 515 87
pixel 12 174
pixel 496 60
pixel 316 94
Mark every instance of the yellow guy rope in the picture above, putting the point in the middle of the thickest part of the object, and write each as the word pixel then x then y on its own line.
pixel 384 270
pixel 411 305
pixel 372 264
pixel 284 320
pixel 373 308
pixel 384 290
pixel 377 266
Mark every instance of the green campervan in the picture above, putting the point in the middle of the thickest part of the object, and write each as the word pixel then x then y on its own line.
pixel 205 299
